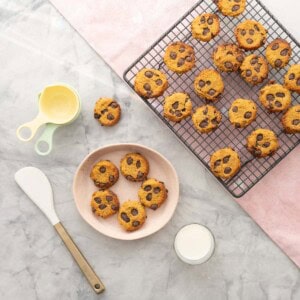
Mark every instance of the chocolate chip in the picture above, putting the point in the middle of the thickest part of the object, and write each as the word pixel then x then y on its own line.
pixel 129 177
pixel 210 20
pixel 237 125
pixel 180 62
pixel 93 210
pixel 147 188
pixel 173 55
pixel 140 175
pixel 253 61
pixel 257 152
pixel 138 164
pixel 256 27
pixel 248 73
pixel 114 105
pixel 278 62
pixel 205 110
pixel 201 83
pixel 104 111
pixel 109 198
pixel 149 197
pixel 147 87
pixel 254 78
pixel 102 206
pixel 148 74
pixel 181 49
pixel 249 41
pixel 284 52
pixel 111 178
pixel 205 31
pixel 259 137
pixel 237 1
pixel 188 58
pixel 227 170
pixel 208 82
pixel 298 81
pixel 278 104
pixel 217 163
pixel 235 109
pixel 248 115
pixel 251 32
pixel 134 212
pixel 270 97
pixel 97 200
pixel 235 7
pixel 228 65
pixel 114 207
pixel 96 116
pixel 280 95
pixel 156 190
pixel 257 68
pixel 203 123
pixel 226 159
pixel 175 105
pixel 102 169
pixel 211 92
pixel 266 145
pixel 243 32
pixel 158 82
pixel 214 121
pixel 129 161
pixel 202 20
pixel 240 58
pixel 229 53
pixel 135 223
pixel 292 76
pixel 154 206
pixel 275 46
pixel 110 117
pixel 124 217
pixel 296 122
pixel 178 113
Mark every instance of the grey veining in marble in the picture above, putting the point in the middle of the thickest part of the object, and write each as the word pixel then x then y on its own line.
pixel 39 47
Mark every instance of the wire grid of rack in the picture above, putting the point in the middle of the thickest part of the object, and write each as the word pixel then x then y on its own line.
pixel 203 145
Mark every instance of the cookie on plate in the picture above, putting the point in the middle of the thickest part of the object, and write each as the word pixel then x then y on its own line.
pixel 292 78
pixel 228 57
pixel 150 83
pixel 278 53
pixel 205 27
pixel 107 111
pixel 104 174
pixel 275 97
pixel 104 203
pixel 132 215
pixel 254 69
pixel 225 163
pixel 179 57
pixel 231 8
pixel 209 84
pixel 206 118
pixel 152 193
pixel 262 142
pixel 134 167
pixel 291 120
pixel 242 112
pixel 177 107
pixel 250 35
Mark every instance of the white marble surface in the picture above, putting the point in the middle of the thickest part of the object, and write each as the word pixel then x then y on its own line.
pixel 38 47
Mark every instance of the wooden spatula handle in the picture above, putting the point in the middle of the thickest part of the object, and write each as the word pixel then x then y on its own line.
pixel 85 267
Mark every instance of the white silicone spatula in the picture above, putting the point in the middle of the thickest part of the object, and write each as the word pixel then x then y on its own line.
pixel 37 187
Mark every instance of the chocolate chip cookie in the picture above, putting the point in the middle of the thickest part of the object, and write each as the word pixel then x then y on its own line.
pixel 206 118
pixel 228 57
pixel 242 112
pixel 278 53
pixel 209 84
pixel 132 215
pixel 205 27
pixel 231 8
pixel 275 97
pixel 179 57
pixel 107 111
pixel 134 167
pixel 150 83
pixel 292 78
pixel 262 142
pixel 291 120
pixel 177 107
pixel 254 69
pixel 152 193
pixel 250 35
pixel 104 203
pixel 104 174
pixel 225 163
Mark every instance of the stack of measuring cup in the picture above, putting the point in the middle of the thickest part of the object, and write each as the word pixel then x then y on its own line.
pixel 59 105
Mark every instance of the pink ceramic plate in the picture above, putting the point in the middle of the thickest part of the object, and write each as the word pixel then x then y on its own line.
pixel 160 168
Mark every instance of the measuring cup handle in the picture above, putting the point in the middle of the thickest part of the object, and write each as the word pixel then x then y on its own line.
pixel 46 138
pixel 33 126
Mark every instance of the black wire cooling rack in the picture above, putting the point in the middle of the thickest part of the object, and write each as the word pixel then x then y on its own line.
pixel 203 145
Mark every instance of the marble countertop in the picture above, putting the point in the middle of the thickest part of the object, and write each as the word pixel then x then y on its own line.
pixel 39 47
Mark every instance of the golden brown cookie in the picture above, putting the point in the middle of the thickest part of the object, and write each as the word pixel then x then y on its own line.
pixel 209 84
pixel 206 118
pixel 134 167
pixel 228 57
pixel 104 203
pixel 132 215
pixel 225 163
pixel 104 174
pixel 107 111
pixel 254 69
pixel 291 120
pixel 152 193
pixel 179 57
pixel 205 27
pixel 262 142
pixel 292 78
pixel 250 35
pixel 275 97
pixel 278 53
pixel 231 8
pixel 150 83
pixel 242 112
pixel 177 107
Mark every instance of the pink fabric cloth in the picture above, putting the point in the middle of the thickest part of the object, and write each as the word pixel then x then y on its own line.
pixel 120 31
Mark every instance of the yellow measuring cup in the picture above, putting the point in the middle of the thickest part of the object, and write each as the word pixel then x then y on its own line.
pixel 59 104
